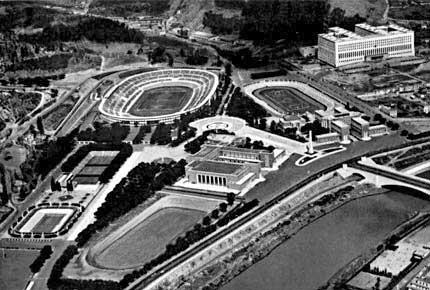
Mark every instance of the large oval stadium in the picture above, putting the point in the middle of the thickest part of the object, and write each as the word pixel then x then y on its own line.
pixel 159 96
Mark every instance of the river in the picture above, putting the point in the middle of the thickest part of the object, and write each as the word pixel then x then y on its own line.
pixel 312 256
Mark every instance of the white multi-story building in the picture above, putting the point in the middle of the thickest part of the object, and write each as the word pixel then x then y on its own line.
pixel 341 47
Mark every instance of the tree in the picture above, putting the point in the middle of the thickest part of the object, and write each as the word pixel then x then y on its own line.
pixel 206 221
pixel 53 184
pixel 230 198
pixel 404 133
pixel 223 207
pixel 40 127
pixel 215 214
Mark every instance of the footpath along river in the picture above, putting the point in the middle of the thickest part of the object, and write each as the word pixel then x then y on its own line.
pixel 312 256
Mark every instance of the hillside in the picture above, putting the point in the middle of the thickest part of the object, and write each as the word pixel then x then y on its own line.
pixel 192 11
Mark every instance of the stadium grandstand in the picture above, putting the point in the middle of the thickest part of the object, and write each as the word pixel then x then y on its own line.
pixel 159 96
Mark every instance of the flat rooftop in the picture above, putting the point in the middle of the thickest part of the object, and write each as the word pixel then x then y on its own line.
pixel 362 31
pixel 360 121
pixel 340 124
pixel 215 167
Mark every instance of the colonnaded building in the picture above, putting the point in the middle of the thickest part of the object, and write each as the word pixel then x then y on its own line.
pixel 227 167
pixel 341 47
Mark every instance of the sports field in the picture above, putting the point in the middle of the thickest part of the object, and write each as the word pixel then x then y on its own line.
pixel 100 160
pixel 47 223
pixel 81 179
pixel 161 101
pixel 149 239
pixel 288 100
pixel 92 170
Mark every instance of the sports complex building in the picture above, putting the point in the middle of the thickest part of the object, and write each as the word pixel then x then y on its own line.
pixel 159 96
pixel 341 47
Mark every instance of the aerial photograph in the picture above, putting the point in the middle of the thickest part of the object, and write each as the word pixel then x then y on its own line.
pixel 214 144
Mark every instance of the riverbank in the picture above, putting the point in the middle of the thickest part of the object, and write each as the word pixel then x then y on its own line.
pixel 417 221
pixel 225 268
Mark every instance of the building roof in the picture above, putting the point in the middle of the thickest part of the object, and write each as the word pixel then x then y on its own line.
pixel 338 34
pixel 340 124
pixel 360 121
pixel 247 150
pixel 215 167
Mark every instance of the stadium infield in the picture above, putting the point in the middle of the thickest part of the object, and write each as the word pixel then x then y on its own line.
pixel 289 100
pixel 47 223
pixel 161 101
pixel 148 239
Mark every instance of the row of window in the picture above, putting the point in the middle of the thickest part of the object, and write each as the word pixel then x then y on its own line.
pixel 373 43
pixel 380 50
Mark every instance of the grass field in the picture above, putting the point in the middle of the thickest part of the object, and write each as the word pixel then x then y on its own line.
pixel 161 101
pixel 289 100
pixel 14 270
pixel 47 223
pixel 148 239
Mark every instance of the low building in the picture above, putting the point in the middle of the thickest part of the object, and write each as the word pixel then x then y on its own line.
pixel 343 129
pixel 308 51
pixel 378 130
pixel 326 139
pixel 292 121
pixel 233 176
pixel 389 110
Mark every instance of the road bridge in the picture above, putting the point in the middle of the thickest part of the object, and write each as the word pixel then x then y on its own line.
pixel 383 176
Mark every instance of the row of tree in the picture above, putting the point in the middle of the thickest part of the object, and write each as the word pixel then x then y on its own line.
pixel 140 183
pixel 45 254
pixel 143 130
pixel 114 133
pixel 162 135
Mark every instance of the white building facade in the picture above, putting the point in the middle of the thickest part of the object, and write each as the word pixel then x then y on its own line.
pixel 341 47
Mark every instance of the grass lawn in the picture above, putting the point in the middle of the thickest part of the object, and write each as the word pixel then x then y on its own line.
pixel 47 223
pixel 148 239
pixel 14 268
pixel 160 101
pixel 290 100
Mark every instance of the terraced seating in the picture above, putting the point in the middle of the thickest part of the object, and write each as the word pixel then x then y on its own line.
pixel 115 107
